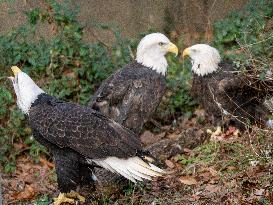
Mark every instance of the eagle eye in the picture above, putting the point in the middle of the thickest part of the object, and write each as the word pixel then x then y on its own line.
pixel 194 50
pixel 161 43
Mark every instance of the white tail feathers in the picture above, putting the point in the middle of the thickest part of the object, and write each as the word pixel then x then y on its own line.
pixel 134 168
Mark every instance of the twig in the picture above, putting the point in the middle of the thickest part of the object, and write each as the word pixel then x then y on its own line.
pixel 157 124
pixel 223 111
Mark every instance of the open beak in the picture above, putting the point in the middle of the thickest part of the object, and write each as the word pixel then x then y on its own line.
pixel 186 52
pixel 15 70
pixel 173 48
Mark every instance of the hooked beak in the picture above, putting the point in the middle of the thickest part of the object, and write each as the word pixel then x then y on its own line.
pixel 172 48
pixel 186 52
pixel 15 70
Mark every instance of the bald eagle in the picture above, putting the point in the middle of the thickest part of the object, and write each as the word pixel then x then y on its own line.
pixel 131 95
pixel 221 90
pixel 79 137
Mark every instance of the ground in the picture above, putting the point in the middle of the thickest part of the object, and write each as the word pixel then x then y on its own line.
pixel 227 168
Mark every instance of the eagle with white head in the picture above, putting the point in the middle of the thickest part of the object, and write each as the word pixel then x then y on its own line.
pixel 80 138
pixel 221 90
pixel 131 95
pixel 205 59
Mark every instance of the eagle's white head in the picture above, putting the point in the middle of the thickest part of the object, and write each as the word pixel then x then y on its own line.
pixel 25 89
pixel 152 49
pixel 204 58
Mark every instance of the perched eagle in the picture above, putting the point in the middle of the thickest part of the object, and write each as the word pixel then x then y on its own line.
pixel 131 95
pixel 221 90
pixel 80 138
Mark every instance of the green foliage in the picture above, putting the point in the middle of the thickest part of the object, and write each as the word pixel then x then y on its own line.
pixel 65 66
pixel 249 31
pixel 42 201
pixel 177 100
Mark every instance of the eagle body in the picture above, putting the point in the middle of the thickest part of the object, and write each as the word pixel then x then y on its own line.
pixel 74 134
pixel 81 138
pixel 130 96
pixel 226 93
pixel 223 91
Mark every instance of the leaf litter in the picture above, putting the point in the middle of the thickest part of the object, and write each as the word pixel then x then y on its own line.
pixel 219 171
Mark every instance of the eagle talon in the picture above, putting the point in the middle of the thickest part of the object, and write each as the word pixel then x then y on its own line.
pixel 63 199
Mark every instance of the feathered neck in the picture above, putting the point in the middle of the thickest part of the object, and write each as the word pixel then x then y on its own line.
pixel 159 64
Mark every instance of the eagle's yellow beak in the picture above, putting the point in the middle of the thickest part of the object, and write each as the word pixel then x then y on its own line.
pixel 173 48
pixel 186 52
pixel 15 70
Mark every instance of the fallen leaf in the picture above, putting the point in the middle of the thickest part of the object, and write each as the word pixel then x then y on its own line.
pixel 259 192
pixel 231 168
pixel 206 176
pixel 174 136
pixel 27 194
pixel 148 138
pixel 70 74
pixel 271 198
pixel 213 171
pixel 200 112
pixel 169 163
pixel 186 150
pixel 212 188
pixel 232 131
pixel 195 197
pixel 18 146
pixel 188 180
pixel 47 163
pixel 161 135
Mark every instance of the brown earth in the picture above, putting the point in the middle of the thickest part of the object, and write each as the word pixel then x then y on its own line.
pixel 226 168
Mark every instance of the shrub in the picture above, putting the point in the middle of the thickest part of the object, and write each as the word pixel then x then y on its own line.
pixel 64 66
pixel 248 33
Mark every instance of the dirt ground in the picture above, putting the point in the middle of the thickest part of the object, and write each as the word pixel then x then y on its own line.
pixel 226 168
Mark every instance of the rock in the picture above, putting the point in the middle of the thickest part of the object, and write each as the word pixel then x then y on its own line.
pixel 166 148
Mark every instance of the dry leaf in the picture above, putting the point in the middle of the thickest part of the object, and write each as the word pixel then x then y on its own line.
pixel 174 136
pixel 212 188
pixel 213 171
pixel 169 163
pixel 18 146
pixel 188 180
pixel 186 150
pixel 259 192
pixel 231 168
pixel 27 194
pixel 148 138
pixel 206 176
pixel 70 74
pixel 46 163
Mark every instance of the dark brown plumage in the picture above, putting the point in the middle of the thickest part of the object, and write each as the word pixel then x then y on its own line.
pixel 130 96
pixel 74 133
pixel 71 125
pixel 226 93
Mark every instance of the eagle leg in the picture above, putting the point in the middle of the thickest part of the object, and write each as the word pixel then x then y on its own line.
pixel 63 199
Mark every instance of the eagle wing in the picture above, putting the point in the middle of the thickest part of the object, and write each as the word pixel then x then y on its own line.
pixel 82 129
pixel 111 92
pixel 130 96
